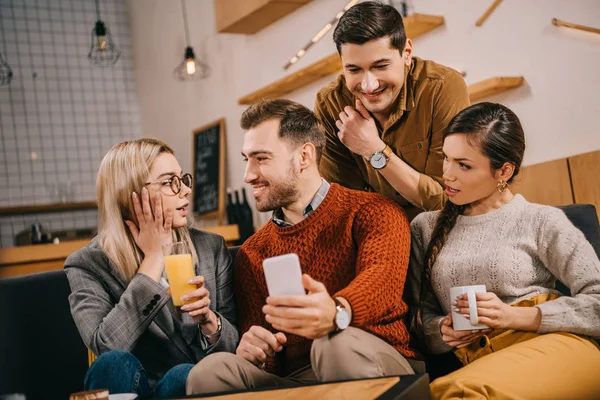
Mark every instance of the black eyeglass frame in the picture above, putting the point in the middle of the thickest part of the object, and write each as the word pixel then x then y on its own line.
pixel 175 182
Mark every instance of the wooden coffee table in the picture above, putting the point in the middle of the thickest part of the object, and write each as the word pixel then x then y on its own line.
pixel 392 387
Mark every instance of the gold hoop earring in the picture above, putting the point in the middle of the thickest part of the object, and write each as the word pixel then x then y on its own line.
pixel 502 186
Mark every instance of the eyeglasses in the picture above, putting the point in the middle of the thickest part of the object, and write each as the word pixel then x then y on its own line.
pixel 175 182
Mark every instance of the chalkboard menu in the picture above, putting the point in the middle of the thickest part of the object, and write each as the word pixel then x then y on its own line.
pixel 209 170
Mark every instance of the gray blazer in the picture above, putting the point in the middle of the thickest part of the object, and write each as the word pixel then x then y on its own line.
pixel 139 317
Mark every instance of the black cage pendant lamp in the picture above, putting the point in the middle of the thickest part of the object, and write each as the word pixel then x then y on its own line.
pixel 190 69
pixel 5 72
pixel 104 51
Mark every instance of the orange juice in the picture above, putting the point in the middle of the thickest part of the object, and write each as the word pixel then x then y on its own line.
pixel 180 269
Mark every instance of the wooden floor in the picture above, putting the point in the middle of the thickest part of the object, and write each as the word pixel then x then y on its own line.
pixel 359 390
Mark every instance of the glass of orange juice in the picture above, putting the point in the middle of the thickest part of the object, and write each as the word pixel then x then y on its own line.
pixel 180 269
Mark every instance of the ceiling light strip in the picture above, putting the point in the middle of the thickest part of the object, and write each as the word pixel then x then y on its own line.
pixel 319 35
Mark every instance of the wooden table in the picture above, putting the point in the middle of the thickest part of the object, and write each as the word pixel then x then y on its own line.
pixel 393 387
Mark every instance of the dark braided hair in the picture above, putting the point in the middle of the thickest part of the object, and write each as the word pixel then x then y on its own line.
pixel 498 133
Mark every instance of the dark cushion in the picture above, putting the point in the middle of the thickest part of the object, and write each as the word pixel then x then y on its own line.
pixel 41 352
pixel 584 217
pixel 233 251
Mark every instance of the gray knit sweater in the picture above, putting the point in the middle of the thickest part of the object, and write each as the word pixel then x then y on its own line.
pixel 517 251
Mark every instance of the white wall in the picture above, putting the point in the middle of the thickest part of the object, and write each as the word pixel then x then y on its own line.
pixel 60 114
pixel 558 105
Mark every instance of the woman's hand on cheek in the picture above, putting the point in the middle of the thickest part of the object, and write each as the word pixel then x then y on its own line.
pixel 153 231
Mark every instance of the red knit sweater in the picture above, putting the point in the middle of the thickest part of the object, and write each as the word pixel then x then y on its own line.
pixel 358 245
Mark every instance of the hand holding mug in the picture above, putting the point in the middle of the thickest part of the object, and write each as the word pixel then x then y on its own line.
pixel 491 311
pixel 466 318
pixel 459 339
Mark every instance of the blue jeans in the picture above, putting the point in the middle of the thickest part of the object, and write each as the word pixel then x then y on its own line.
pixel 122 372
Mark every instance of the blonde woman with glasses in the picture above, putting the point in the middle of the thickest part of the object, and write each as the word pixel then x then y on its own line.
pixel 119 298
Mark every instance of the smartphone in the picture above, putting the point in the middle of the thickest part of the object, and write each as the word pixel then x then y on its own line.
pixel 284 275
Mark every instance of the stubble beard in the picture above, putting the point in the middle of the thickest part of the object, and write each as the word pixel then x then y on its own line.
pixel 282 193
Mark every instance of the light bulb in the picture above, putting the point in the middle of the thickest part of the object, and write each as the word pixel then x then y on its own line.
pixel 322 32
pixel 190 66
pixel 101 40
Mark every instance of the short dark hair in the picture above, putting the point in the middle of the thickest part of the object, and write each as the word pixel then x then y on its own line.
pixel 297 123
pixel 368 21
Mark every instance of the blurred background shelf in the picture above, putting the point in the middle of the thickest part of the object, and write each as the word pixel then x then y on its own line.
pixel 558 22
pixel 250 16
pixel 43 208
pixel 22 260
pixel 493 86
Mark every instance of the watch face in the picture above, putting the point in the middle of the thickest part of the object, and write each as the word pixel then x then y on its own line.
pixel 378 160
pixel 342 318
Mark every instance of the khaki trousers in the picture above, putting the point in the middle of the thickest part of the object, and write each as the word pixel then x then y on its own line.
pixel 509 364
pixel 350 354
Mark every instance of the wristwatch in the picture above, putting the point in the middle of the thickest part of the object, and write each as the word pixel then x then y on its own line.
pixel 380 159
pixel 216 333
pixel 342 316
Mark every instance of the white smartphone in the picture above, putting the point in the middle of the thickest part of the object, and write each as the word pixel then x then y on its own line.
pixel 284 275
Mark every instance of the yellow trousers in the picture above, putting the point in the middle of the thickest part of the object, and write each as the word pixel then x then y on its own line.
pixel 509 364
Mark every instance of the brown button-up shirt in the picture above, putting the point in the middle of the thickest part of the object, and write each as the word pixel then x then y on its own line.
pixel 431 96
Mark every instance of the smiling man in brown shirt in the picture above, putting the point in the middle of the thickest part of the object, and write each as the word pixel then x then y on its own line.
pixel 386 113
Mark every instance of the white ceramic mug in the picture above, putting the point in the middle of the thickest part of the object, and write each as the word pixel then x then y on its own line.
pixel 459 322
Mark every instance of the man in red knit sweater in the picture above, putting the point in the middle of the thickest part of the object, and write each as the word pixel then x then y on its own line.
pixel 354 249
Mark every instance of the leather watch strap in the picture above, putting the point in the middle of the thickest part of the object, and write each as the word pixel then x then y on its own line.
pixel 387 151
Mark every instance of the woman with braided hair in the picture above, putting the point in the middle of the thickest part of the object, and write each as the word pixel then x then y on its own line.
pixel 539 344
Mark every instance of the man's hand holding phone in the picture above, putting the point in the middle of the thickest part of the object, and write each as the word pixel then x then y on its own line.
pixel 288 308
pixel 258 343
pixel 310 316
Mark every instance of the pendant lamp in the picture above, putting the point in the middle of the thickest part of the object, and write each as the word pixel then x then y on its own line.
pixel 103 51
pixel 5 72
pixel 190 69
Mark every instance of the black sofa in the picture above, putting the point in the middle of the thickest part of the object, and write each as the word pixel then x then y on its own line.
pixel 41 352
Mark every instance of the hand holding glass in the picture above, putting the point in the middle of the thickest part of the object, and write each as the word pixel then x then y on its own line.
pixel 180 269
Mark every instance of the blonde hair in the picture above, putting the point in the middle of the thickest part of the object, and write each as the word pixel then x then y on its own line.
pixel 126 169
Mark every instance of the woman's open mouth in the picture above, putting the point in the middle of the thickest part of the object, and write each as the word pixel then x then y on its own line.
pixel 451 191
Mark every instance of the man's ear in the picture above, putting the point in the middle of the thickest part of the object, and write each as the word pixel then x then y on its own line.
pixel 308 155
pixel 407 53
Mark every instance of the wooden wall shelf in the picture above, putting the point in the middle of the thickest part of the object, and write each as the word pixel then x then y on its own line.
pixel 328 65
pixel 415 25
pixel 493 86
pixel 250 16
pixel 558 22
pixel 44 208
